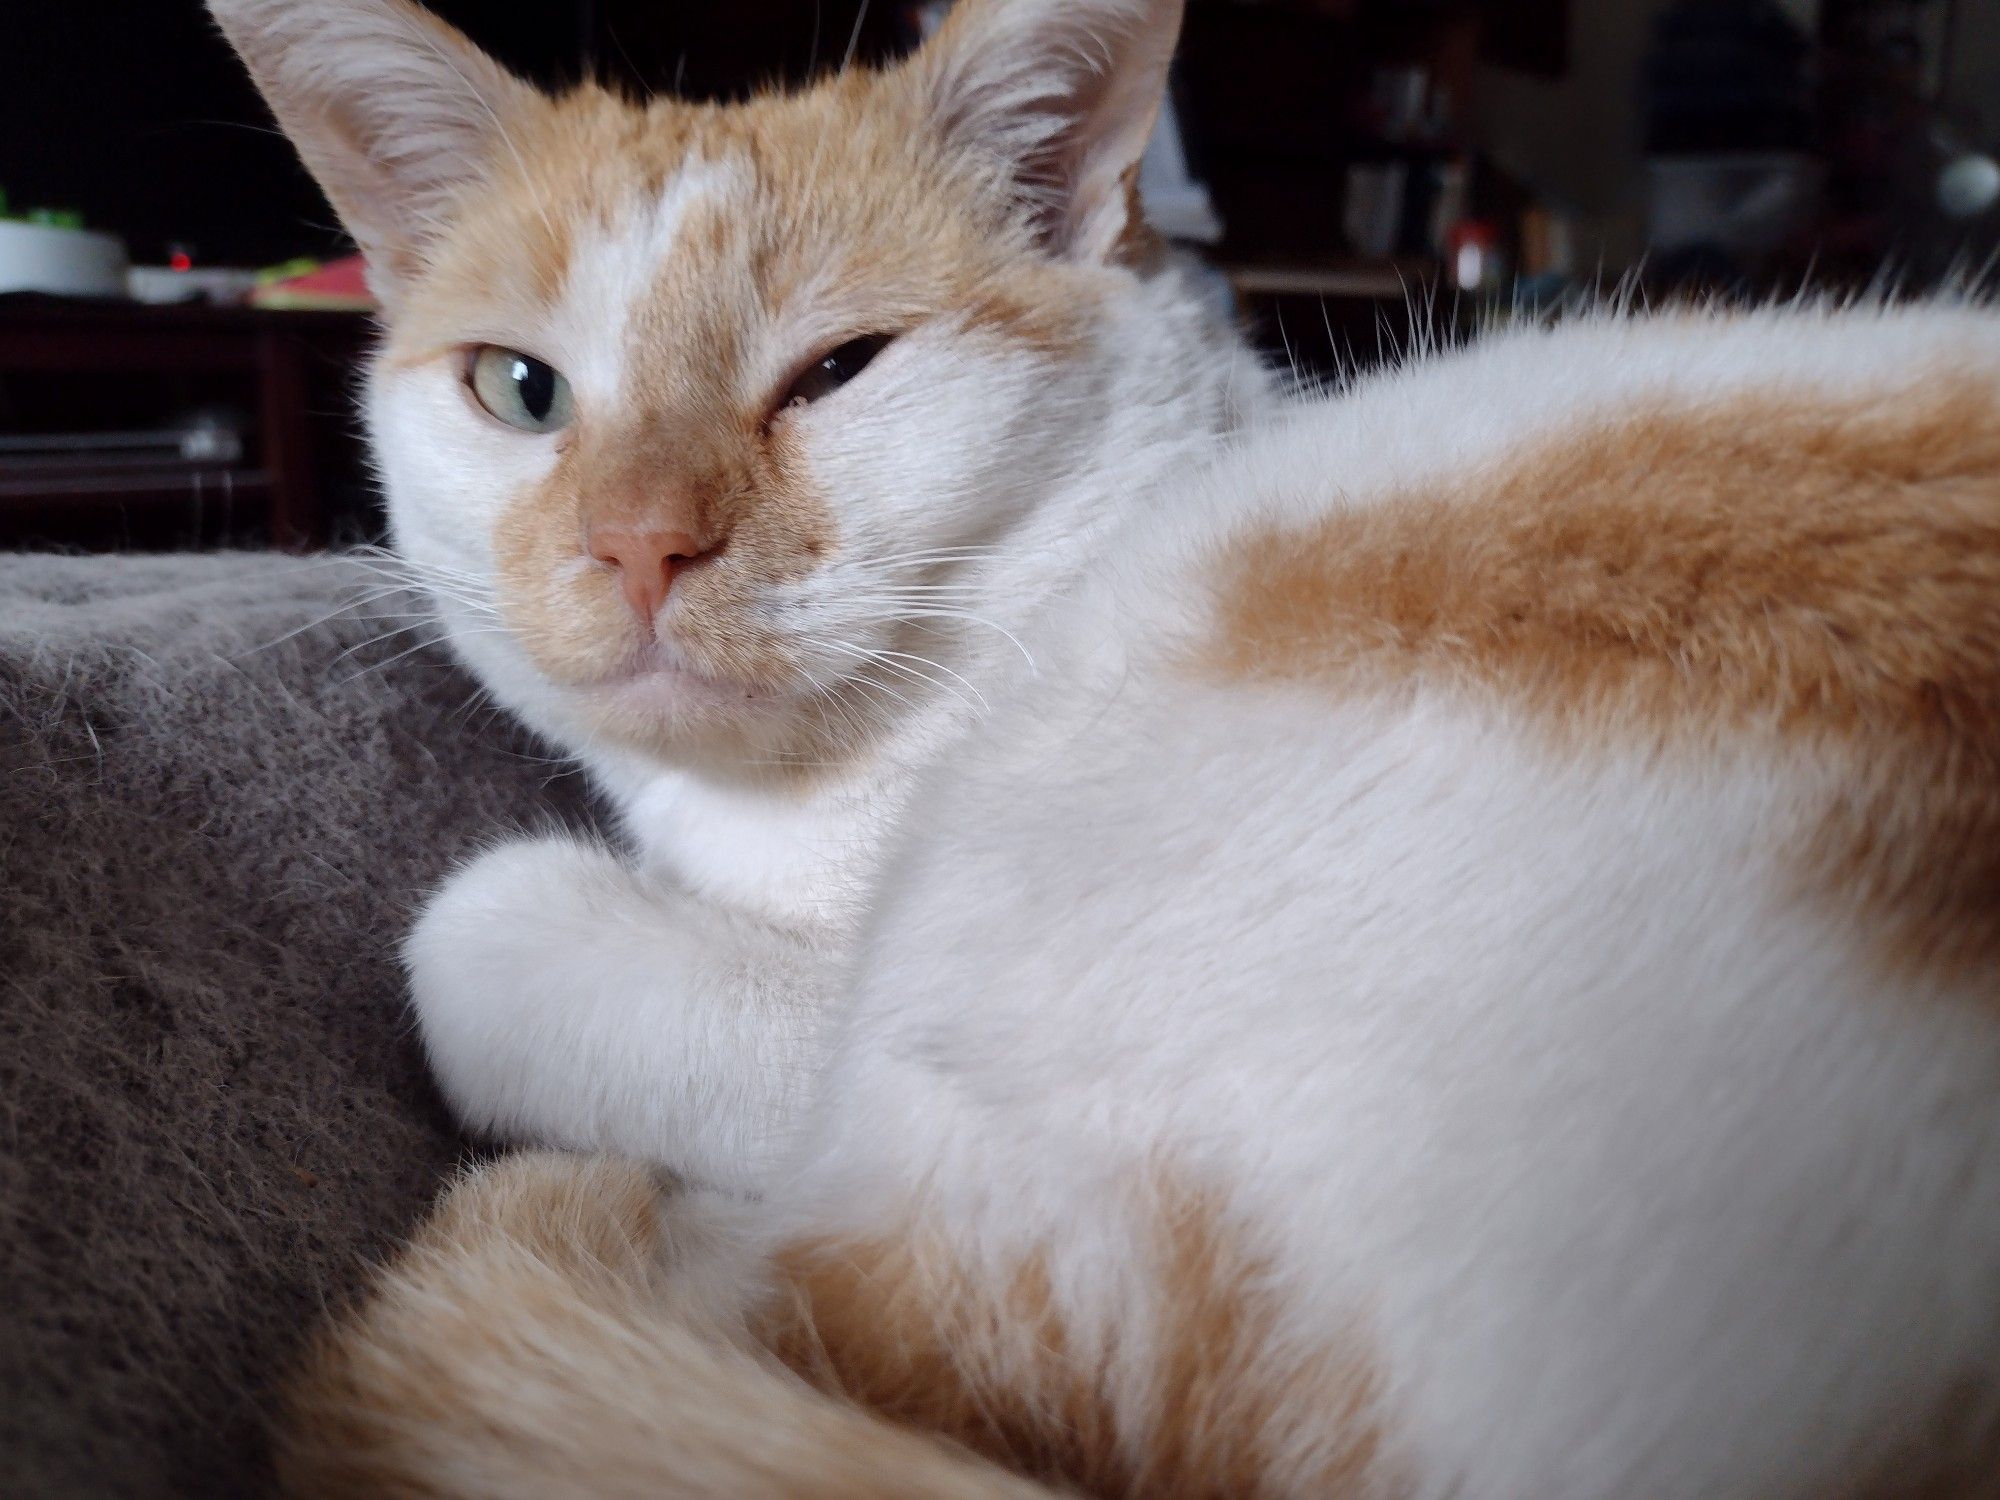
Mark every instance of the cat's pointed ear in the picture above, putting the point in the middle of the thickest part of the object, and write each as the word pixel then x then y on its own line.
pixel 1060 96
pixel 393 111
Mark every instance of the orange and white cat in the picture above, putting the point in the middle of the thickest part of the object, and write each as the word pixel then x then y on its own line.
pixel 1174 940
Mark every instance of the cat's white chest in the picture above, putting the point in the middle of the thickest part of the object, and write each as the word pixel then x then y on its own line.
pixel 807 858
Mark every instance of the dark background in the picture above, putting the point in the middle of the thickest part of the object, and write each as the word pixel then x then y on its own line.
pixel 137 113
pixel 1559 122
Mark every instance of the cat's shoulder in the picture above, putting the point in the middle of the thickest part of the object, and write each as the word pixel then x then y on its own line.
pixel 1694 417
pixel 1773 534
pixel 1442 415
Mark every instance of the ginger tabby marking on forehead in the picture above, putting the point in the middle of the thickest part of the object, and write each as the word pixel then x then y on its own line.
pixel 846 190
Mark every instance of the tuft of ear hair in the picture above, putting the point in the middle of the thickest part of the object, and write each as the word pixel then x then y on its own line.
pixel 1056 99
pixel 392 110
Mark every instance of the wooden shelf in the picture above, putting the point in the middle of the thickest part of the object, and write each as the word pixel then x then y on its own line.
pixel 1368 280
pixel 268 362
pixel 138 485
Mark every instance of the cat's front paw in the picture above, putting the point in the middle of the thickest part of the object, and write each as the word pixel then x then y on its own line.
pixel 511 966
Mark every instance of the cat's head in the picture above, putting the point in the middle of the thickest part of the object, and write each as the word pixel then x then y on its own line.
pixel 719 426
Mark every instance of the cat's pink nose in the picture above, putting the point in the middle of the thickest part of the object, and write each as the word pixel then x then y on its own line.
pixel 645 559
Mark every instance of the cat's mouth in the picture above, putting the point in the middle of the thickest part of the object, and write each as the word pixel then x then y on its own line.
pixel 662 680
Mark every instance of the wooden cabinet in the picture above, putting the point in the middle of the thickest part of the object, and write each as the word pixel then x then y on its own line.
pixel 122 423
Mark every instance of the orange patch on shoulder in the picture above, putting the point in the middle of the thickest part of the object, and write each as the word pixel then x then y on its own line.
pixel 1785 567
pixel 902 1326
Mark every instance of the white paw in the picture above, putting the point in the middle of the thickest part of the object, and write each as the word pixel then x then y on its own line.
pixel 508 967
pixel 568 1000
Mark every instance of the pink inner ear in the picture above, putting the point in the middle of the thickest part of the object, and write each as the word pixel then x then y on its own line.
pixel 1066 91
pixel 392 110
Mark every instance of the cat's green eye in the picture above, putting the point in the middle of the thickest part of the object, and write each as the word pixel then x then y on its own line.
pixel 519 389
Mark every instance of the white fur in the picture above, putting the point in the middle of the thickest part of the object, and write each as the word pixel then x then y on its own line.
pixel 1060 452
pixel 1636 1176
pixel 1631 1175
pixel 610 278
pixel 552 977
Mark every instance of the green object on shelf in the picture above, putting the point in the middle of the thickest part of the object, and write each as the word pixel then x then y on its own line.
pixel 56 218
pixel 305 265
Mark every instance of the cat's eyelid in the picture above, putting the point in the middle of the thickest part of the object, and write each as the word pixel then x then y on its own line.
pixel 467 351
pixel 781 399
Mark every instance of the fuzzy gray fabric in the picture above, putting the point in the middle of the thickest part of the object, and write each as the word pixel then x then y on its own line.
pixel 212 1112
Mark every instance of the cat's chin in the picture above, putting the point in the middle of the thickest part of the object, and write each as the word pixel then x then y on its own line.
pixel 674 690
pixel 661 701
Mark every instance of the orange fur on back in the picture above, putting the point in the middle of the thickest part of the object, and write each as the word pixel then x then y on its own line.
pixel 1824 573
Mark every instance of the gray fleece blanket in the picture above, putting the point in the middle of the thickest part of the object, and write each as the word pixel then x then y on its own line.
pixel 219 798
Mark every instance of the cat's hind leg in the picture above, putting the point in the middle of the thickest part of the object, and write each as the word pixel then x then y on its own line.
pixel 563 1326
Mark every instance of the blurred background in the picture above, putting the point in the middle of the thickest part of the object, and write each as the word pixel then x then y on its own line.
pixel 179 330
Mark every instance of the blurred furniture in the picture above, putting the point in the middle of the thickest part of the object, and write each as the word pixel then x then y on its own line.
pixel 123 424
pixel 1325 321
pixel 1332 136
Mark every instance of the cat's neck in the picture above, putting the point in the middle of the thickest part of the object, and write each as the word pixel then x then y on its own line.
pixel 802 846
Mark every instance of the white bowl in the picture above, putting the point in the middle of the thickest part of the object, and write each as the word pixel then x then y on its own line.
pixel 73 262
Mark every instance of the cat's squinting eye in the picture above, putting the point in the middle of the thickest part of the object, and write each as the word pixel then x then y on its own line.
pixel 519 389
pixel 834 369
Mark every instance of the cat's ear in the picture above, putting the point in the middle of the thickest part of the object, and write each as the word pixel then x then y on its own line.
pixel 1060 96
pixel 393 111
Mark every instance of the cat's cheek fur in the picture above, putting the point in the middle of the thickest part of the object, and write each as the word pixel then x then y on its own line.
pixel 447 473
pixel 950 447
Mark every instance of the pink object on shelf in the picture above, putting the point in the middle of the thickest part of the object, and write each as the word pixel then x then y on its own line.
pixel 337 286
